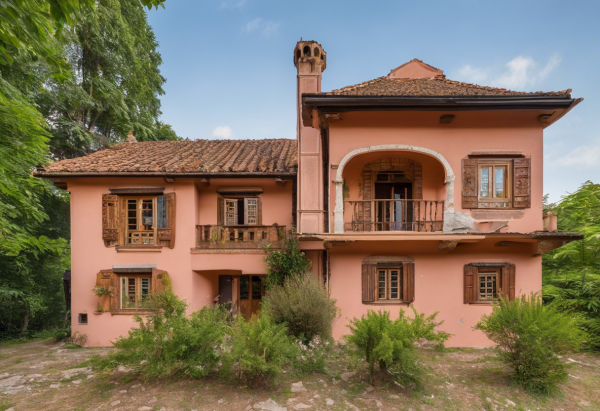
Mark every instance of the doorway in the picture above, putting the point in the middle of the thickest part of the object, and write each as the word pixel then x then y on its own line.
pixel 251 292
pixel 393 210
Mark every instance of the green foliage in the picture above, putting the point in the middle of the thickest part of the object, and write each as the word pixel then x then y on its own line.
pixel 310 357
pixel 100 291
pixel 390 344
pixel 255 351
pixel 288 261
pixel 170 343
pixel 303 305
pixel 529 336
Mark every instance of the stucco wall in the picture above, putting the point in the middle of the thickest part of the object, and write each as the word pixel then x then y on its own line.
pixel 194 204
pixel 468 132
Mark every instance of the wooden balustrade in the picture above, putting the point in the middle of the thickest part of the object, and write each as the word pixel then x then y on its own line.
pixel 395 215
pixel 239 236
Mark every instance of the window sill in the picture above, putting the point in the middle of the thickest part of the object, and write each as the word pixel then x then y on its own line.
pixel 388 303
pixel 485 303
pixel 138 248
pixel 132 312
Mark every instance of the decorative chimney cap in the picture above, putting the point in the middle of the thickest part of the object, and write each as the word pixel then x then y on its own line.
pixel 131 138
pixel 310 51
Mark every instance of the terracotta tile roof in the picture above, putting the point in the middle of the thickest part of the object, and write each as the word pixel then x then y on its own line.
pixel 186 157
pixel 437 86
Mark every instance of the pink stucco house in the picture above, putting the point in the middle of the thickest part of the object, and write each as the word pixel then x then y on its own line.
pixel 409 188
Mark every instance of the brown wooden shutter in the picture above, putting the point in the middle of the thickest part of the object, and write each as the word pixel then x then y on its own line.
pixel 408 282
pixel 115 283
pixel 469 183
pixel 110 220
pixel 522 183
pixel 160 281
pixel 166 229
pixel 103 280
pixel 259 211
pixel 220 211
pixel 469 283
pixel 508 281
pixel 369 274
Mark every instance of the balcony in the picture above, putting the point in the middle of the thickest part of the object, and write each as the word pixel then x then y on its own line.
pixel 394 215
pixel 238 236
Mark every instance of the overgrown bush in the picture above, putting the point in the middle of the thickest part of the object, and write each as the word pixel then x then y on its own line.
pixel 390 345
pixel 284 263
pixel 302 304
pixel 529 337
pixel 168 342
pixel 254 351
pixel 310 357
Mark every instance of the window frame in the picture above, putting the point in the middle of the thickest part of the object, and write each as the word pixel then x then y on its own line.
pixel 235 199
pixel 388 284
pixel 485 271
pixel 139 210
pixel 139 296
pixel 491 201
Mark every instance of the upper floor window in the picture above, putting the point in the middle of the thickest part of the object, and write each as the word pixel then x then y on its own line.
pixel 496 183
pixel 138 220
pixel 239 211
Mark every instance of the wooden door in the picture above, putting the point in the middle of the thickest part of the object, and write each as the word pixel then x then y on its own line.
pixel 250 294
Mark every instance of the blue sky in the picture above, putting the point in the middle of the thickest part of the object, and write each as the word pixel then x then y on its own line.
pixel 230 73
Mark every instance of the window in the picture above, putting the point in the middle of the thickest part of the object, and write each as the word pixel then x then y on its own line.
pixel 389 284
pixel 135 291
pixel 493 187
pixel 487 282
pixel 240 211
pixel 82 319
pixel 141 221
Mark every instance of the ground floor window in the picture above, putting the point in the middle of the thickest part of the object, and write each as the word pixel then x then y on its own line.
pixel 488 282
pixel 135 291
pixel 389 284
pixel 388 280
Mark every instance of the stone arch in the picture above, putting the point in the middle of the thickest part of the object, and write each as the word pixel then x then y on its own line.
pixel 339 180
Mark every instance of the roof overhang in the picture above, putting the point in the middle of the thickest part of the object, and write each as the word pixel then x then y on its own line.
pixel 70 174
pixel 327 104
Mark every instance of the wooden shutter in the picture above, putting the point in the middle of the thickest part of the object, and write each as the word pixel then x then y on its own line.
pixel 469 183
pixel 165 206
pixel 230 212
pixel 369 274
pixel 251 211
pixel 160 281
pixel 259 208
pixel 103 280
pixel 470 279
pixel 508 281
pixel 110 219
pixel 115 283
pixel 220 211
pixel 522 183
pixel 408 282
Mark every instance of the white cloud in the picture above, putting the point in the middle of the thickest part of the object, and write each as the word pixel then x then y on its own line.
pixel 519 73
pixel 223 132
pixel 584 156
pixel 266 28
pixel 233 4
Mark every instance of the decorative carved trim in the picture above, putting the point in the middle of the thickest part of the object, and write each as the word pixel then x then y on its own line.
pixel 164 234
pixel 388 259
pixel 447 245
pixel 110 234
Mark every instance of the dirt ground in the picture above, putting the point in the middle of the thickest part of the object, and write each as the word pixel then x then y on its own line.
pixel 48 376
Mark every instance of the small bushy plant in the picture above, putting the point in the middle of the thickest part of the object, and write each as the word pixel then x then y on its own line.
pixel 311 357
pixel 286 262
pixel 254 351
pixel 529 337
pixel 390 344
pixel 168 342
pixel 302 304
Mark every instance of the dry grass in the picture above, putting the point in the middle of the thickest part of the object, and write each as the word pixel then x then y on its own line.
pixel 48 376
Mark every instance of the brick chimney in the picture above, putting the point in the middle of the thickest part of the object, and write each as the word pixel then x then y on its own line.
pixel 310 60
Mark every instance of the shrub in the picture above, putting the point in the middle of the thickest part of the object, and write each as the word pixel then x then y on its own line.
pixel 391 344
pixel 529 336
pixel 168 342
pixel 254 351
pixel 311 357
pixel 302 304
pixel 289 261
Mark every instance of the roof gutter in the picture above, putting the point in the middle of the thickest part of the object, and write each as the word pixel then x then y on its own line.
pixel 332 103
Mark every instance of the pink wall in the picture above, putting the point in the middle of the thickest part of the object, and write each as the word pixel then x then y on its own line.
pixel 438 287
pixel 194 203
pixel 470 131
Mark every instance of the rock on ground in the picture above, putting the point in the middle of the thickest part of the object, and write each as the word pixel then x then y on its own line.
pixel 269 405
pixel 298 387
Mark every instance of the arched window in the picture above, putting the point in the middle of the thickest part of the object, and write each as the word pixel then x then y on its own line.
pixel 306 51
pixel 316 52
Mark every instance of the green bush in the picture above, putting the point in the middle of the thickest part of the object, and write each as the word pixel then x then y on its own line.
pixel 390 345
pixel 254 351
pixel 284 263
pixel 302 304
pixel 529 337
pixel 170 343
